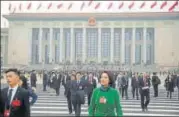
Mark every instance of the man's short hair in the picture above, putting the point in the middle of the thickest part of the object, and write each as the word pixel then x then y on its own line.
pixel 73 70
pixel 78 73
pixel 17 72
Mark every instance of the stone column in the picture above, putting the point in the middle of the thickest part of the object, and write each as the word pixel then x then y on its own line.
pixel 72 51
pixel 61 45
pixel 51 46
pixel 133 46
pixel 84 45
pixel 144 46
pixel 99 44
pixel 123 46
pixel 40 45
pixel 59 54
pixel 30 45
pixel 112 46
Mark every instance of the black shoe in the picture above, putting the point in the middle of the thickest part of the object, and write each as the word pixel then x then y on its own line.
pixel 146 108
pixel 143 110
pixel 70 113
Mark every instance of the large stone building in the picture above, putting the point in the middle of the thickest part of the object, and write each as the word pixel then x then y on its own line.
pixel 126 38
pixel 4 45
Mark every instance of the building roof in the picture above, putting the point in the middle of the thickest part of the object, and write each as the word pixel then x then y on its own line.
pixel 46 16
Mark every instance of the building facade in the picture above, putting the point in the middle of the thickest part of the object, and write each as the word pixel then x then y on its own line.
pixel 4 46
pixel 125 38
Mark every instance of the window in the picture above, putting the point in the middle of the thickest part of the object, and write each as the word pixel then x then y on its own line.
pixel 150 34
pixel 149 53
pixel 92 42
pixel 117 40
pixel 138 54
pixel 78 43
pixel 128 34
pixel 35 34
pixel 56 33
pixel 36 54
pixel 56 54
pixel 127 54
pixel 67 39
pixel 46 36
pixel 46 54
pixel 105 42
pixel 139 33
pixel 138 36
pixel 46 33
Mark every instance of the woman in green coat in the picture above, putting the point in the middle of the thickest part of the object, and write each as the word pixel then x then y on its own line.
pixel 105 100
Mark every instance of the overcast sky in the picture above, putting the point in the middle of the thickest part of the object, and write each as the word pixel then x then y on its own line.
pixel 77 5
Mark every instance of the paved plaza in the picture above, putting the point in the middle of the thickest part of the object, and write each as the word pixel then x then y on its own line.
pixel 49 104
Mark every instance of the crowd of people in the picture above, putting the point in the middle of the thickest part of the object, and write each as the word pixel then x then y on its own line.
pixel 103 89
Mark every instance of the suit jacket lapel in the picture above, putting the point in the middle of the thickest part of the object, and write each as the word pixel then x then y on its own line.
pixel 6 94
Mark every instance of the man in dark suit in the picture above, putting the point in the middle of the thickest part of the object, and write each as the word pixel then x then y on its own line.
pixel 56 83
pixel 45 80
pixel 68 92
pixel 65 78
pixel 15 100
pixel 135 86
pixel 91 84
pixel 178 84
pixel 155 83
pixel 77 93
pixel 33 79
pixel 144 85
pixel 24 80
pixel 124 83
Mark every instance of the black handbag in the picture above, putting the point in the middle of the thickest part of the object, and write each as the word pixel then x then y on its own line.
pixel 81 96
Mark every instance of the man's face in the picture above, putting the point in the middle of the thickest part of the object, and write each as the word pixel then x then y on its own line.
pixel 73 72
pixel 12 78
pixel 145 75
pixel 90 75
pixel 78 76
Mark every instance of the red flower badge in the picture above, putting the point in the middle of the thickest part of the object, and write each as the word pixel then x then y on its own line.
pixel 16 103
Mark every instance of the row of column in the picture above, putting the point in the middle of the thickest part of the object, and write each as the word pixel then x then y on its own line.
pixel 84 49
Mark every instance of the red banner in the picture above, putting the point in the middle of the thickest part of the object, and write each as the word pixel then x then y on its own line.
pixel 110 5
pixel 121 5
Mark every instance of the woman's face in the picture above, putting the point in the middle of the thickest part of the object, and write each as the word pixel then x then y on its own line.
pixel 104 79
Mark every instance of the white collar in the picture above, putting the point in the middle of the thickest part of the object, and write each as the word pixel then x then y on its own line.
pixel 15 88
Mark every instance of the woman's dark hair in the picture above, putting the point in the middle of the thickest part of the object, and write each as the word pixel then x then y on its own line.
pixel 111 81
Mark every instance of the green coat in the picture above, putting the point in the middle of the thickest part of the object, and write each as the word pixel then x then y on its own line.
pixel 112 107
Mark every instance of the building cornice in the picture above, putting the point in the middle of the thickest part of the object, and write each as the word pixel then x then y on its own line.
pixel 98 16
